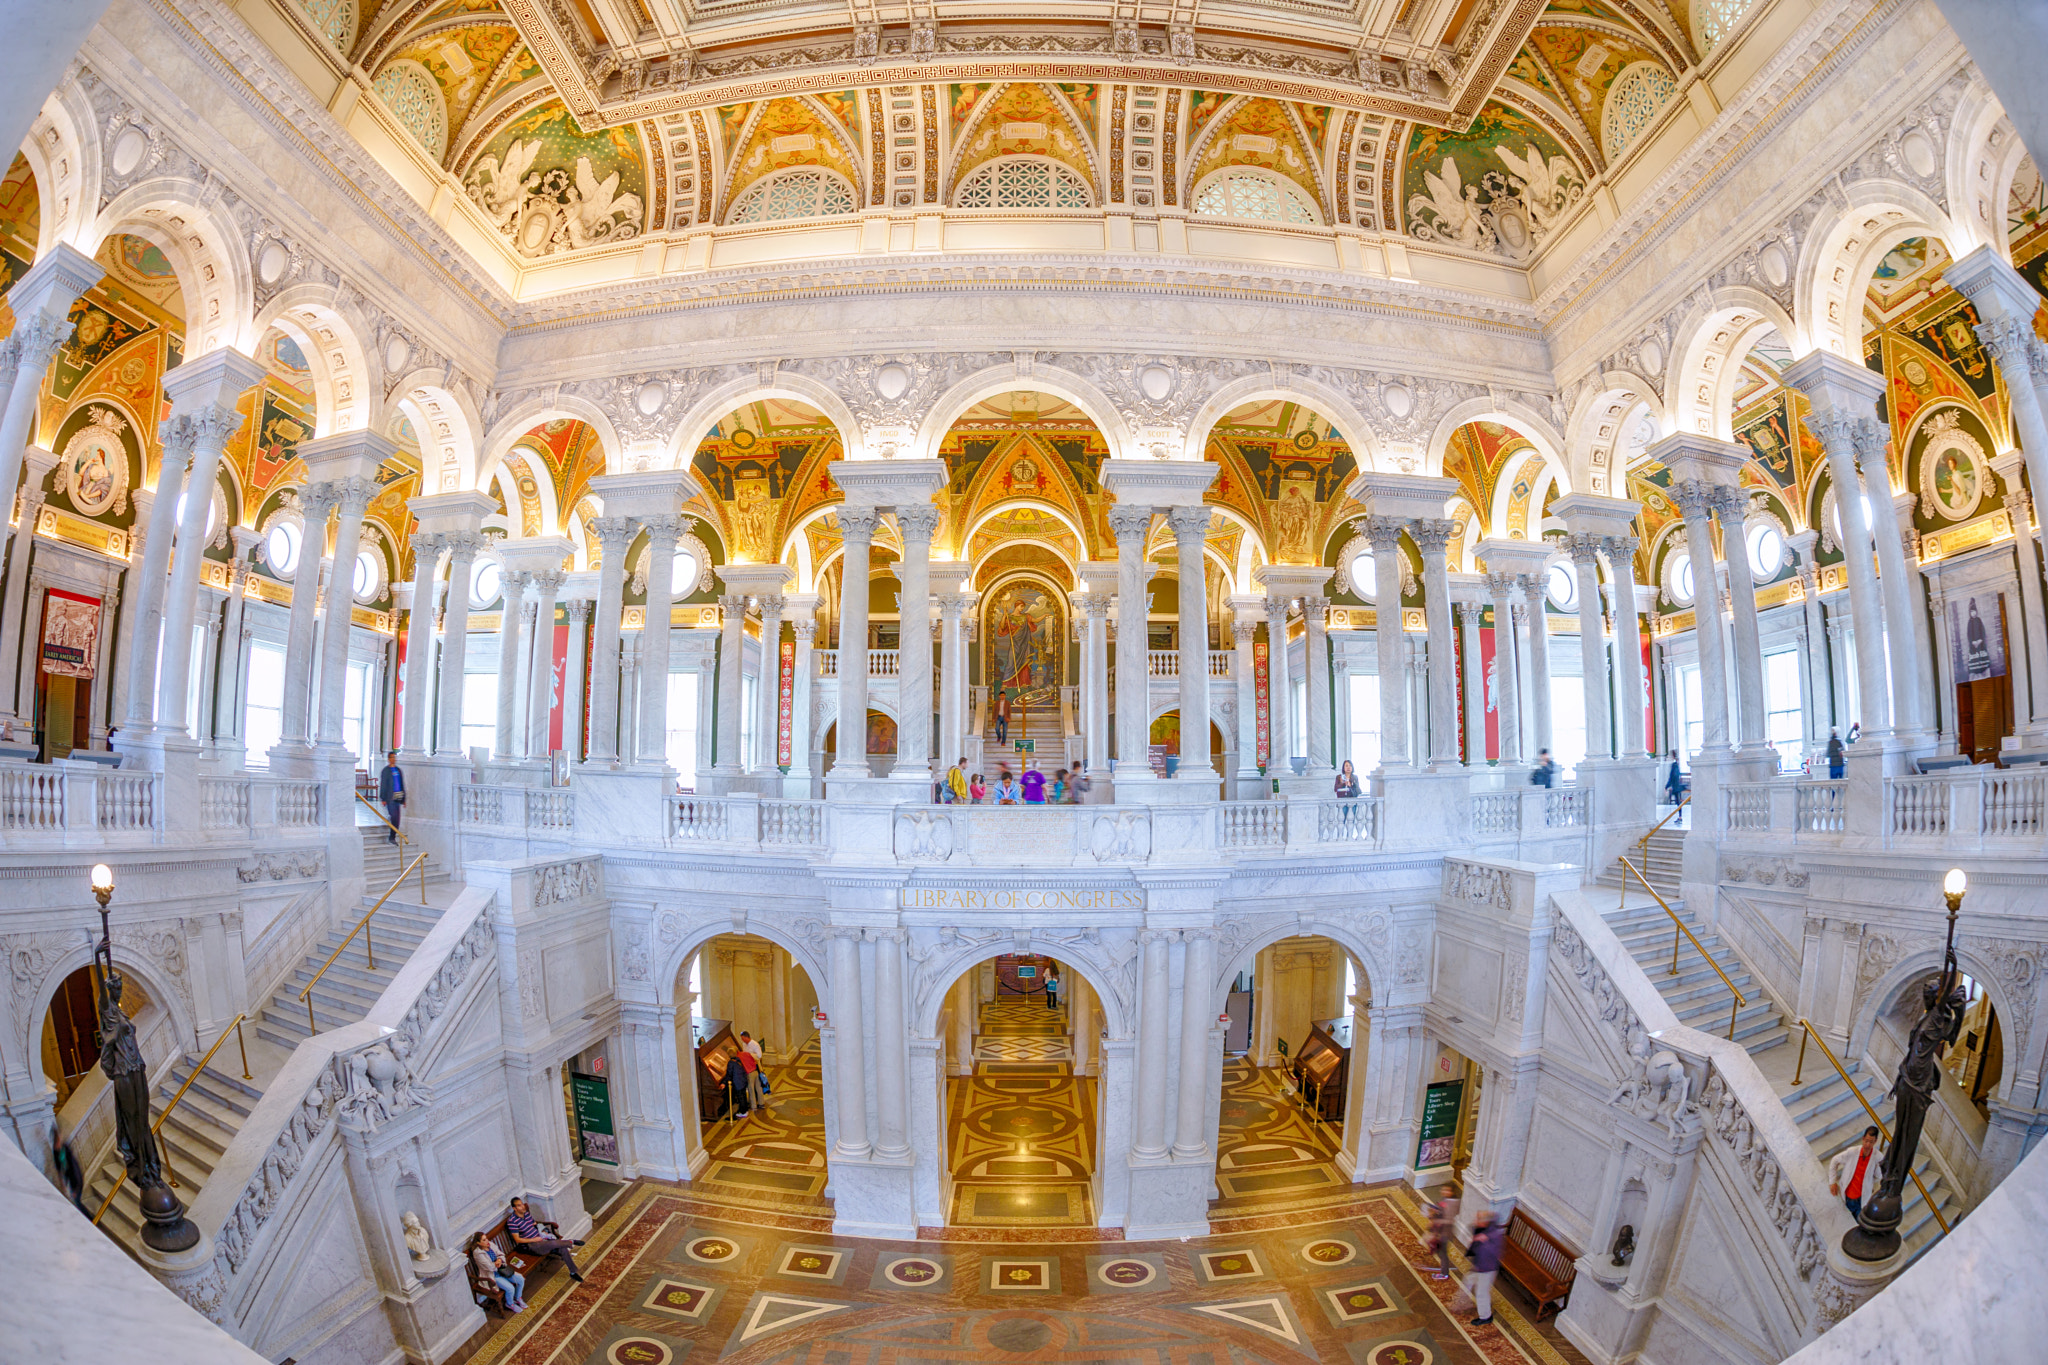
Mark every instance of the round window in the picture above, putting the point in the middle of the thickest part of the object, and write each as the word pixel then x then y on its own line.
pixel 1681 580
pixel 1364 575
pixel 367 576
pixel 281 548
pixel 486 583
pixel 684 581
pixel 1766 550
pixel 1563 586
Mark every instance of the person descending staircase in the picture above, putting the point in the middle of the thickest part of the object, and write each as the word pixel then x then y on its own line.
pixel 198 1127
pixel 1817 1097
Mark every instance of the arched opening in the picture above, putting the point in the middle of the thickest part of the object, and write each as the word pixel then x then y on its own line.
pixel 763 1146
pixel 1021 1043
pixel 1295 1043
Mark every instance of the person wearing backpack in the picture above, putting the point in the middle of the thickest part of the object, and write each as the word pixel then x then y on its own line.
pixel 1544 774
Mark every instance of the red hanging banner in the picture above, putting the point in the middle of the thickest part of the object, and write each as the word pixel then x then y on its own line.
pixel 1649 700
pixel 398 693
pixel 559 654
pixel 1489 674
pixel 1262 679
pixel 785 707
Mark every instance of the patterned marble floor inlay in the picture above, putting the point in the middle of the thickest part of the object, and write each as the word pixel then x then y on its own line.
pixel 672 1278
pixel 776 1158
pixel 1021 1130
pixel 1271 1155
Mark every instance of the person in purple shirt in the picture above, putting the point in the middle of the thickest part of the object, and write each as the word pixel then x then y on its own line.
pixel 1488 1238
pixel 1033 783
pixel 527 1233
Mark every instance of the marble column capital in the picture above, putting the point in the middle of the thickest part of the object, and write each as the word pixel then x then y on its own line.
pixel 38 338
pixel 1127 522
pixel 1315 611
pixel 858 523
pixel 771 605
pixel 1695 499
pixel 353 496
pixel 917 522
pixel 805 630
pixel 614 534
pixel 668 528
pixel 1500 584
pixel 1469 613
pixel 463 546
pixel 1190 524
pixel 2006 337
pixel 1584 549
pixel 1094 605
pixel 1622 549
pixel 1382 533
pixel 1432 535
pixel 177 436
pixel 427 543
pixel 579 610
pixel 733 605
pixel 1149 937
pixel 1243 631
pixel 548 581
pixel 213 426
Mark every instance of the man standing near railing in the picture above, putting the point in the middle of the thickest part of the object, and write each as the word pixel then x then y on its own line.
pixel 391 791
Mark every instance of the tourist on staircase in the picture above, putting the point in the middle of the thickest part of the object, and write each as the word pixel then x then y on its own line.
pixel 1849 1174
pixel 391 791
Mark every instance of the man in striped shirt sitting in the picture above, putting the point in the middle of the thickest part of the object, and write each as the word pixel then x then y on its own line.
pixel 533 1240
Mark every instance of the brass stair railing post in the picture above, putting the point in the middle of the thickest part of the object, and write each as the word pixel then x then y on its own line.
pixel 1882 1127
pixel 363 928
pixel 163 1149
pixel 1740 999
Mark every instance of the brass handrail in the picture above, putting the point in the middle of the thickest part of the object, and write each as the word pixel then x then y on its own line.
pixel 362 927
pixel 401 843
pixel 1857 1091
pixel 1683 801
pixel 1740 999
pixel 164 1152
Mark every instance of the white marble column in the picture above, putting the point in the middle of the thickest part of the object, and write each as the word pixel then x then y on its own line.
pixel 205 389
pixel 419 639
pixel 1155 983
pixel 1244 631
pixel 1898 584
pixel 849 1041
pixel 511 617
pixel 663 531
pixel 732 622
pixel 1279 689
pixel 575 678
pixel 805 630
pixel 40 327
pixel 1628 639
pixel 463 548
pixel 1732 511
pixel 857 524
pixel 316 500
pixel 914 643
pixel 177 436
pixel 227 716
pixel 1390 646
pixel 891 1092
pixel 1433 538
pixel 1133 726
pixel 208 662
pixel 767 760
pixel 1820 713
pixel 1866 604
pixel 1536 625
pixel 541 673
pixel 354 496
pixel 1506 683
pixel 614 537
pixel 1474 678
pixel 952 676
pixel 1095 656
pixel 1190 534
pixel 1315 616
pixel 1585 553
pixel 28 505
pixel 2032 698
pixel 1696 501
pixel 1197 1015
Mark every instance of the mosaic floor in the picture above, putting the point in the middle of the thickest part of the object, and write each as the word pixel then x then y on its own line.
pixel 1271 1153
pixel 1021 1130
pixel 776 1158
pixel 673 1278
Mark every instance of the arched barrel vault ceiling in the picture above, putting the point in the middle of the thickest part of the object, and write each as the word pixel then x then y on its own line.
pixel 570 132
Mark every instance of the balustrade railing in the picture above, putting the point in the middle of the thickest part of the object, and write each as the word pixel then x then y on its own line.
pixel 793 824
pixel 1918 807
pixel 1748 806
pixel 300 805
pixel 697 819
pixel 31 799
pixel 1165 663
pixel 1821 807
pixel 130 803
pixel 1565 808
pixel 1348 822
pixel 540 810
pixel 1497 812
pixel 1251 824
pixel 2015 805
pixel 882 663
pixel 224 802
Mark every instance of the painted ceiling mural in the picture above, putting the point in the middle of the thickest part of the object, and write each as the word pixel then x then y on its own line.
pixel 1589 78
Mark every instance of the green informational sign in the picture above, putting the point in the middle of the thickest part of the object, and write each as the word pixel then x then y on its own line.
pixel 1027 746
pixel 1440 1105
pixel 594 1117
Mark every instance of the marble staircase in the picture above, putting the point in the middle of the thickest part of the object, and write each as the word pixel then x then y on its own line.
pixel 197 1131
pixel 1662 863
pixel 1815 1094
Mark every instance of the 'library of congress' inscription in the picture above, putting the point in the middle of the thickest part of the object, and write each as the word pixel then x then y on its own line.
pixel 1034 898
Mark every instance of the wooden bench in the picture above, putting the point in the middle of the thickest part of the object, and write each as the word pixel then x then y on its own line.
pixel 1538 1262
pixel 486 1286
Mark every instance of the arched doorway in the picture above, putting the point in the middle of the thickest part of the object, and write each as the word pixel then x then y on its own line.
pixel 1294 1055
pixel 1021 1040
pixel 736 990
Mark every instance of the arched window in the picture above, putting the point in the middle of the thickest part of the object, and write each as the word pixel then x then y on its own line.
pixel 412 95
pixel 1713 20
pixel 800 192
pixel 1023 182
pixel 336 19
pixel 1634 99
pixel 1246 192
